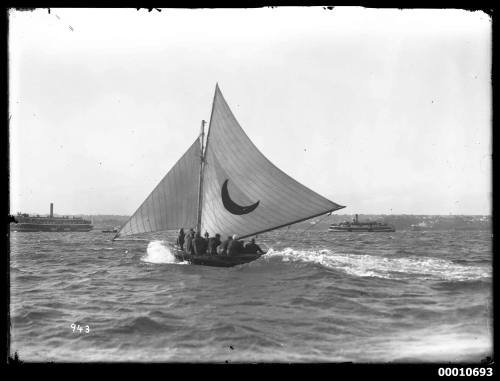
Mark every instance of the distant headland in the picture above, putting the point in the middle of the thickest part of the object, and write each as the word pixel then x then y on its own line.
pixel 399 221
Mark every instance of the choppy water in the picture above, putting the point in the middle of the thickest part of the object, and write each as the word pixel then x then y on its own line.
pixel 316 296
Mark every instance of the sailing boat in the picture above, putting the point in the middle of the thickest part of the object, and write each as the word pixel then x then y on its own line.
pixel 224 184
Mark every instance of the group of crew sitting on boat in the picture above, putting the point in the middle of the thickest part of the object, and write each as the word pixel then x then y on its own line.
pixel 198 245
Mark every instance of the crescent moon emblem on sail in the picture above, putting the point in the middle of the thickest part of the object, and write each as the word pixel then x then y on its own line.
pixel 233 207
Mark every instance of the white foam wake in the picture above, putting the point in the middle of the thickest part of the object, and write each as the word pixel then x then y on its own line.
pixel 433 345
pixel 384 267
pixel 158 252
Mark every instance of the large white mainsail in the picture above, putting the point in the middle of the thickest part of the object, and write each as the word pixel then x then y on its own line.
pixel 236 190
pixel 243 192
pixel 174 202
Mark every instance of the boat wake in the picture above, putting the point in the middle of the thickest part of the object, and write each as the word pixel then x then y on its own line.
pixel 158 252
pixel 384 267
pixel 441 344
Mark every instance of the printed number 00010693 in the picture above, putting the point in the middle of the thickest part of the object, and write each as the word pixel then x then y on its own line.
pixel 465 372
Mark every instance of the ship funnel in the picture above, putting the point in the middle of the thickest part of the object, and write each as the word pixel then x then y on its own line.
pixel 51 210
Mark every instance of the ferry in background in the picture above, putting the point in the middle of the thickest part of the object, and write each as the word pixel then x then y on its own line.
pixel 23 222
pixel 356 226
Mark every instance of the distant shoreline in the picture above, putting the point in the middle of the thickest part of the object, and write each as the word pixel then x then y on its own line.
pixel 353 214
pixel 431 222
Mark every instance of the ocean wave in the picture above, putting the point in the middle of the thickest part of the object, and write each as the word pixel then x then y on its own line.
pixel 26 277
pixel 351 302
pixel 99 272
pixel 34 317
pixel 438 346
pixel 158 252
pixel 383 267
pixel 144 325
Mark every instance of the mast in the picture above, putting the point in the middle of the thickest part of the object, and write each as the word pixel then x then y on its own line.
pixel 200 187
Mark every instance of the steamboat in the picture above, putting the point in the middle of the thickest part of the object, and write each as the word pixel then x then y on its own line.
pixel 24 222
pixel 356 226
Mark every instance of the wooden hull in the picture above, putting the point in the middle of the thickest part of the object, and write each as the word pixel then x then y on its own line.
pixel 216 260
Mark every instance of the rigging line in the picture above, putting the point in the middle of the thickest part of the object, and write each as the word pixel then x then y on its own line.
pixel 291 223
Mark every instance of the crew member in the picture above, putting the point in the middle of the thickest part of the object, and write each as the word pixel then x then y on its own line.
pixel 235 247
pixel 200 245
pixel 252 248
pixel 222 249
pixel 189 242
pixel 180 239
pixel 213 243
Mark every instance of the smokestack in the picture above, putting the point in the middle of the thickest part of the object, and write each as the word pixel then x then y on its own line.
pixel 51 210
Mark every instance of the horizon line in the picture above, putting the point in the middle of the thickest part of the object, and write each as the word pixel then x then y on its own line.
pixel 336 214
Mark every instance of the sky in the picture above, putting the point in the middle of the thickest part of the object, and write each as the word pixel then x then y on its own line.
pixel 383 111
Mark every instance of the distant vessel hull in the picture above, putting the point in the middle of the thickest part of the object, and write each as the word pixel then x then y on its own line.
pixel 216 260
pixel 361 226
pixel 23 222
pixel 361 229
pixel 21 227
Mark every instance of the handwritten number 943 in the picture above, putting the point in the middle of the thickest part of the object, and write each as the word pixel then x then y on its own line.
pixel 79 328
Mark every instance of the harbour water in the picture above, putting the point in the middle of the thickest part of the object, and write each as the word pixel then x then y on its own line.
pixel 315 296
